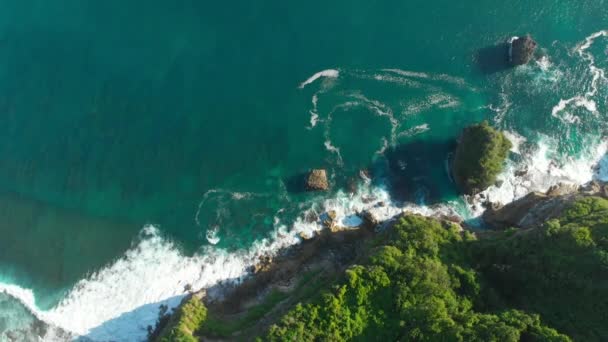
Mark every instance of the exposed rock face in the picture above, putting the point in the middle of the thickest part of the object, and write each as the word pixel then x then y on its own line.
pixel 370 220
pixel 329 220
pixel 317 180
pixel 263 265
pixel 536 207
pixel 522 50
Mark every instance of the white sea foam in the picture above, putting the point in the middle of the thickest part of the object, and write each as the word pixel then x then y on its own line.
pixel 435 100
pixel 212 235
pixel 333 149
pixel 314 114
pixel 434 77
pixel 511 40
pixel 384 147
pixel 541 169
pixel 380 109
pixel 414 131
pixel 597 75
pixel 516 141
pixel 120 301
pixel 330 73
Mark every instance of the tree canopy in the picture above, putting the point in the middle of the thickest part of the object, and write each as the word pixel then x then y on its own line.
pixel 479 157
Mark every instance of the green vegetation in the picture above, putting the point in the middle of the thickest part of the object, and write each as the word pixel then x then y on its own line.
pixel 420 286
pixel 479 157
pixel 426 280
pixel 187 318
pixel 559 271
pixel 218 327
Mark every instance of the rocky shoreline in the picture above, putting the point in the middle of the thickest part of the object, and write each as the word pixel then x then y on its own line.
pixel 320 259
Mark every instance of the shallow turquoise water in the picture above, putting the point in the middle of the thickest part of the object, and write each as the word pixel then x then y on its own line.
pixel 116 114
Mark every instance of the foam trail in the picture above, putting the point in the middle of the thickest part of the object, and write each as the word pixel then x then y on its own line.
pixel 331 73
pixel 433 77
pixel 331 148
pixel 597 75
pixel 595 71
pixel 314 113
pixel 414 131
pixel 381 110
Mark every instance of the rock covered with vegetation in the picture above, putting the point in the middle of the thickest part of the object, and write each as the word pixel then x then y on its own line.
pixel 479 157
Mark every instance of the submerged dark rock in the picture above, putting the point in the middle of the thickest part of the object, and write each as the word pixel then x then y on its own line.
pixel 522 50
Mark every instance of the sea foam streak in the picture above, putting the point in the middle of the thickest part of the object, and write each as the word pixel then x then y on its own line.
pixel 597 74
pixel 331 73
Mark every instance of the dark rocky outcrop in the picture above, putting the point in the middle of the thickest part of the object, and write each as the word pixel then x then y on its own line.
pixel 537 207
pixel 317 180
pixel 370 220
pixel 522 50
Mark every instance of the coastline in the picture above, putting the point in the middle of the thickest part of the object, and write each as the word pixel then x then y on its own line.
pixel 327 255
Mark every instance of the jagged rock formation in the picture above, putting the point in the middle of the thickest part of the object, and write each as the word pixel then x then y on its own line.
pixel 536 207
pixel 521 50
pixel 317 180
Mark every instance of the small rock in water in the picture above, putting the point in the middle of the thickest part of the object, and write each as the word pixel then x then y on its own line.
pixel 522 50
pixel 317 180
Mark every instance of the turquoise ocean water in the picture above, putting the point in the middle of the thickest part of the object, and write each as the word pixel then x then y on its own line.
pixel 146 146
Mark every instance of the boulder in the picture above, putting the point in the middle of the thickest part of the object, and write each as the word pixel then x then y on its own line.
pixel 592 188
pixel 329 219
pixel 370 220
pixel 317 180
pixel 561 189
pixel 512 214
pixel 263 264
pixel 531 210
pixel 521 50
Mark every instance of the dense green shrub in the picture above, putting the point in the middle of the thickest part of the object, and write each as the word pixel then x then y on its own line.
pixel 559 271
pixel 479 157
pixel 425 280
pixel 419 287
